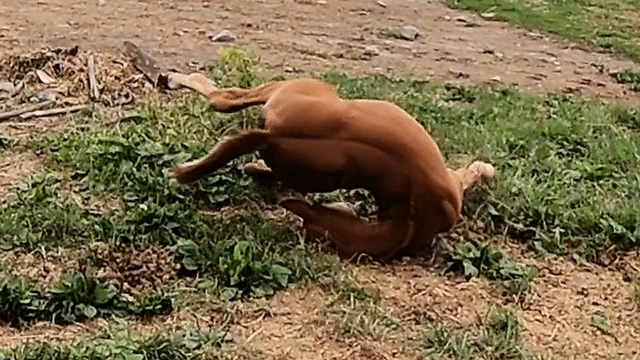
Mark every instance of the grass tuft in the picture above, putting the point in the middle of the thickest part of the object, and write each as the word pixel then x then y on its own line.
pixel 475 259
pixel 498 337
pixel 182 345
pixel 75 298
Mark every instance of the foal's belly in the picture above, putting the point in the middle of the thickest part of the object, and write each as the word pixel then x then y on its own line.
pixel 308 166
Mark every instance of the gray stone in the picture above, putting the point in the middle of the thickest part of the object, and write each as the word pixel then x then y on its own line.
pixel 223 36
pixel 43 96
pixel 409 32
pixel 371 50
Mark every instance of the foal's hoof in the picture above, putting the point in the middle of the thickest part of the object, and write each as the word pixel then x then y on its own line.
pixel 181 174
pixel 345 207
pixel 486 171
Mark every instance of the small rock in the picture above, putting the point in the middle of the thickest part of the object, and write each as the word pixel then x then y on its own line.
pixel 382 3
pixel 322 2
pixel 409 32
pixel 488 15
pixel 371 50
pixel 459 74
pixel 496 78
pixel 46 96
pixel 537 76
pixel 205 4
pixel 447 18
pixel 102 2
pixel 462 19
pixel 7 86
pixel 223 36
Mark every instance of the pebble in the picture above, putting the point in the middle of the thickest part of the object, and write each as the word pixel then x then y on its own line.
pixel 409 32
pixel 44 96
pixel 382 3
pixel 371 50
pixel 223 36
pixel 102 2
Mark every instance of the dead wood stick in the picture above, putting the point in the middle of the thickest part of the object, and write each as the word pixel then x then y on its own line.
pixel 93 82
pixel 55 111
pixel 143 62
pixel 25 110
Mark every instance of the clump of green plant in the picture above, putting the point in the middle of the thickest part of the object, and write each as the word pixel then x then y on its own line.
pixel 498 337
pixel 35 214
pixel 20 302
pixel 245 258
pixel 475 259
pixel 79 297
pixel 152 304
pixel 182 345
pixel 75 298
pixel 628 77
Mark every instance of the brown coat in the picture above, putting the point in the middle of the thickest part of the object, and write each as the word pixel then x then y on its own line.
pixel 314 141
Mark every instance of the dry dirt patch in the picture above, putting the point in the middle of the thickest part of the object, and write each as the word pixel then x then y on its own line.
pixel 319 35
pixel 559 316
pixel 15 166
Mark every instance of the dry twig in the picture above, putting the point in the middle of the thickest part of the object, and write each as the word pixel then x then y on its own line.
pixel 25 110
pixel 93 82
pixel 56 111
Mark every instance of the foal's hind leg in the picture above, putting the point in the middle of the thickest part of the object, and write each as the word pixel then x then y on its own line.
pixel 351 235
pixel 227 149
pixel 230 99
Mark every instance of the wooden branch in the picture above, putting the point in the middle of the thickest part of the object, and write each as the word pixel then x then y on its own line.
pixel 93 82
pixel 143 62
pixel 25 110
pixel 55 111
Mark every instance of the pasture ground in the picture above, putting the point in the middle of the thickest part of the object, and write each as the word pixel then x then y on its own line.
pixel 104 256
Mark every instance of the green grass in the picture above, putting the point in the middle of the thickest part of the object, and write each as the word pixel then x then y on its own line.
pixel 567 179
pixel 611 25
pixel 360 314
pixel 475 259
pixel 497 337
pixel 75 298
pixel 183 345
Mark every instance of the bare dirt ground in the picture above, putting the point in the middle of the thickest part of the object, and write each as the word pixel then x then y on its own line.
pixel 304 35
pixel 308 35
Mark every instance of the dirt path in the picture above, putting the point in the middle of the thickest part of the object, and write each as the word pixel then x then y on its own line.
pixel 305 35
